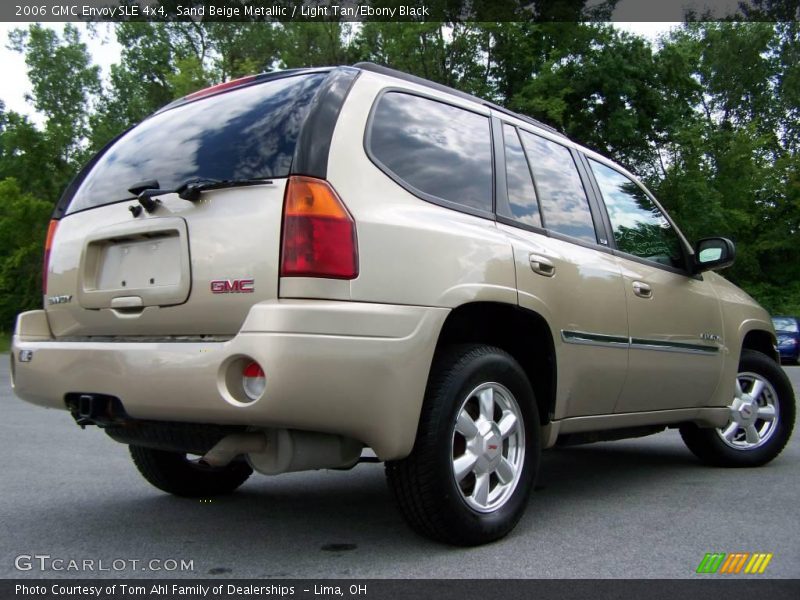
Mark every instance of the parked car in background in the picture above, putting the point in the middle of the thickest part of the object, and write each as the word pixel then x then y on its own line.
pixel 788 331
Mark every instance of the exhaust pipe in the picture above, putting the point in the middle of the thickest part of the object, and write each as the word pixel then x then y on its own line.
pixel 231 446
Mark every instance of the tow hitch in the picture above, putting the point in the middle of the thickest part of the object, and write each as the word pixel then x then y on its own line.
pixel 95 409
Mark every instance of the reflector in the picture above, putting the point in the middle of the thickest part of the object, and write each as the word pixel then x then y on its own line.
pixel 253 381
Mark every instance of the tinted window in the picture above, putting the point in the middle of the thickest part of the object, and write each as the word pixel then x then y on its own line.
pixel 435 148
pixel 521 193
pixel 640 228
pixel 565 207
pixel 242 134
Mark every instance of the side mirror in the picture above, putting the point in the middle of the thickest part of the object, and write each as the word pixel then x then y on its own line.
pixel 714 253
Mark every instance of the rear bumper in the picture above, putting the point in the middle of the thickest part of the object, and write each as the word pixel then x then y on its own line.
pixel 354 369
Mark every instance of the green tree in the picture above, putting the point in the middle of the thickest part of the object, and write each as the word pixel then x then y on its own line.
pixel 64 82
pixel 23 226
pixel 732 163
pixel 448 53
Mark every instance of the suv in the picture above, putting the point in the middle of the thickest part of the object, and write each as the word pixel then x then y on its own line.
pixel 312 268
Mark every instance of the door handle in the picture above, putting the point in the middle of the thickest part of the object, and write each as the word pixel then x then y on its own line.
pixel 642 290
pixel 542 266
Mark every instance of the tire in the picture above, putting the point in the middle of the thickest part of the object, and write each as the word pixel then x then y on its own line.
pixel 747 440
pixel 490 495
pixel 175 473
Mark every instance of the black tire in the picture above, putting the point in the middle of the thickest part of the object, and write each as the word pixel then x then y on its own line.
pixel 424 484
pixel 707 444
pixel 174 473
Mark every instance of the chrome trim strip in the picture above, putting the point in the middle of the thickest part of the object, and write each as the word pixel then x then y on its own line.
pixel 616 341
pixel 665 346
pixel 594 339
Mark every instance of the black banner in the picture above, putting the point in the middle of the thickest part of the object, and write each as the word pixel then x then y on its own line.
pixel 458 589
pixel 396 10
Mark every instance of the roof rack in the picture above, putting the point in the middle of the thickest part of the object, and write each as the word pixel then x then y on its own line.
pixel 375 68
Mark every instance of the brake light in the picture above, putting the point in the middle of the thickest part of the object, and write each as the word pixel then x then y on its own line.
pixel 48 243
pixel 220 87
pixel 319 235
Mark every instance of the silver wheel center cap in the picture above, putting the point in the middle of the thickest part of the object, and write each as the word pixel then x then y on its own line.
pixel 748 413
pixel 488 447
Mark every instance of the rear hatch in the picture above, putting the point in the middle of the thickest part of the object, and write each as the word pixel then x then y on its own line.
pixel 191 266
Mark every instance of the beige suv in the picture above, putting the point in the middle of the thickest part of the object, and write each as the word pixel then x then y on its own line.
pixel 314 268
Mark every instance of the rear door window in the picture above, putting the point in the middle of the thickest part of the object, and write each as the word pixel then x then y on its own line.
pixel 245 133
pixel 523 205
pixel 439 152
pixel 565 207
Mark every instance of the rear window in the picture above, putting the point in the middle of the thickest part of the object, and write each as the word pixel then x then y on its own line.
pixel 246 133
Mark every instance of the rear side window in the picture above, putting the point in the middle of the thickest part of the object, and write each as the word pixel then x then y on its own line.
pixel 438 151
pixel 246 133
pixel 565 207
pixel 521 193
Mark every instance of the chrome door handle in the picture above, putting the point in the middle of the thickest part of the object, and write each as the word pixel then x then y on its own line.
pixel 642 290
pixel 542 266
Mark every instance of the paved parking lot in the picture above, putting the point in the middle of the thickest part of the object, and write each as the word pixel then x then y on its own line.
pixel 631 509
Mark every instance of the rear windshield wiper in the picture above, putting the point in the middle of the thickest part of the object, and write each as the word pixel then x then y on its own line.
pixel 189 190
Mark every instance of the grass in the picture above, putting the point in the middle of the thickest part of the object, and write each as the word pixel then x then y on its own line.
pixel 5 341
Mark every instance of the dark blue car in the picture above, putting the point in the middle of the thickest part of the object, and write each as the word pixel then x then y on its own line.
pixel 788 330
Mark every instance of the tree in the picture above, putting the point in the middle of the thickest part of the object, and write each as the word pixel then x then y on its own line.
pixel 64 82
pixel 23 225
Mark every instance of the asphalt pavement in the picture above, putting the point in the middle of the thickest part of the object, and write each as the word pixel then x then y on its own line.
pixel 641 508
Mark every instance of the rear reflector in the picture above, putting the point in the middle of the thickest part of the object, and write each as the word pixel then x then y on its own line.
pixel 48 244
pixel 253 381
pixel 319 235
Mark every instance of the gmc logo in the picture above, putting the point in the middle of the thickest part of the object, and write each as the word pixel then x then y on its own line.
pixel 232 286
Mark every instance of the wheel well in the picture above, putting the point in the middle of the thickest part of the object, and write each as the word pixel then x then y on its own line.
pixel 522 333
pixel 761 341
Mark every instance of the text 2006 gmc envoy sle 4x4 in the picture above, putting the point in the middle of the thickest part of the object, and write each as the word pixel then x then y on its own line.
pixel 282 271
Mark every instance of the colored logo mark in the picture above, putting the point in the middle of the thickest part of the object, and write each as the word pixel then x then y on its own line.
pixel 734 563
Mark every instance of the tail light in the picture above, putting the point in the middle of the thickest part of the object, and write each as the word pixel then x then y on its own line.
pixel 221 87
pixel 254 382
pixel 48 243
pixel 319 235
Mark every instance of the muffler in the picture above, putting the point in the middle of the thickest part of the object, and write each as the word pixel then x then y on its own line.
pixel 275 451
